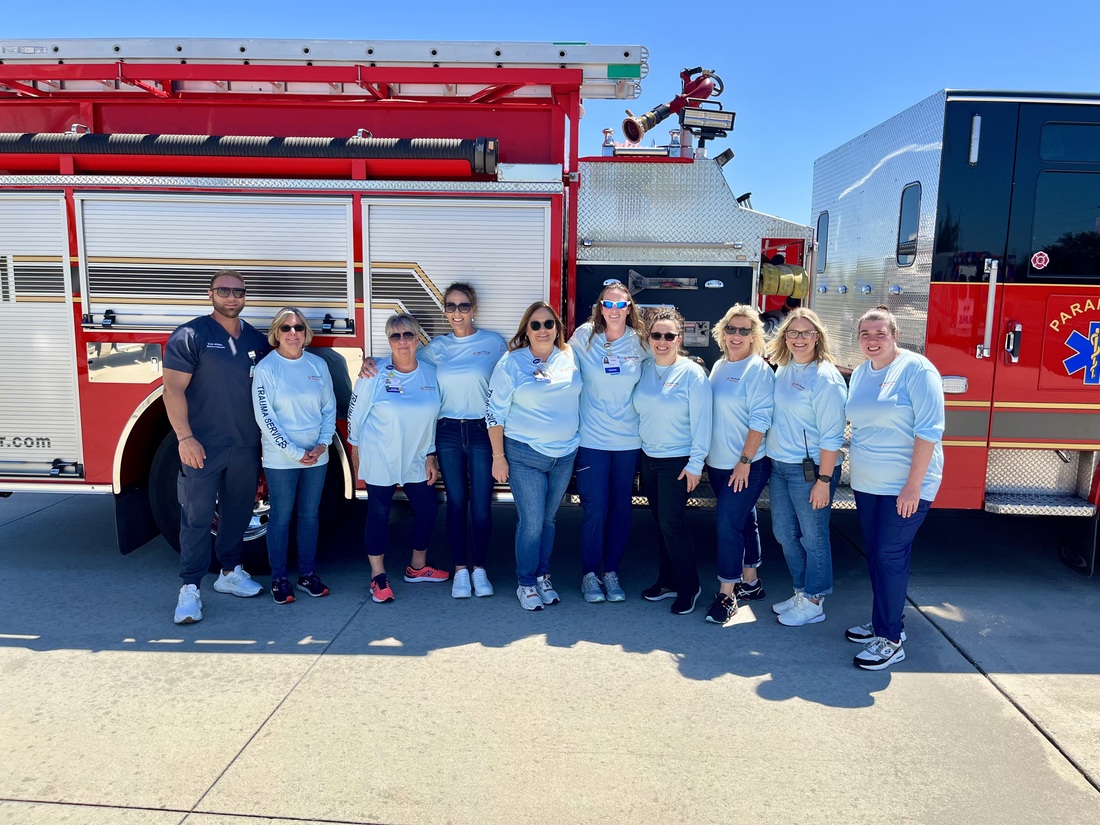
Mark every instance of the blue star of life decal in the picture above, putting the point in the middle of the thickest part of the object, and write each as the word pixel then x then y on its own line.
pixel 1086 354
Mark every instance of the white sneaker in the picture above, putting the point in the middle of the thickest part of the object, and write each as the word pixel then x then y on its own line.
pixel 782 607
pixel 189 606
pixel 460 585
pixel 861 634
pixel 546 590
pixel 803 611
pixel 482 586
pixel 529 598
pixel 590 589
pixel 879 654
pixel 239 583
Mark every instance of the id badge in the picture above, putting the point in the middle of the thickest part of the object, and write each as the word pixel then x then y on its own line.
pixel 611 365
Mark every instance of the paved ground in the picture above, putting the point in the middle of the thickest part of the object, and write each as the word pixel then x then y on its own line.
pixel 433 710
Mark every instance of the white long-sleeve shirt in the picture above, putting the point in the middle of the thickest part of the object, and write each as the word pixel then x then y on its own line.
pixel 674 411
pixel 741 392
pixel 809 412
pixel 536 401
pixel 295 408
pixel 463 367
pixel 609 372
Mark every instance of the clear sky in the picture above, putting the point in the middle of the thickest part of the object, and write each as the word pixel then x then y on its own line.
pixel 802 76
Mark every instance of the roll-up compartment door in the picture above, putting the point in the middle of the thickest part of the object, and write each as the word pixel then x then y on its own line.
pixel 416 248
pixel 39 417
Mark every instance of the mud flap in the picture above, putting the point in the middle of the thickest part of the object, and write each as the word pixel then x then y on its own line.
pixel 134 523
pixel 1077 544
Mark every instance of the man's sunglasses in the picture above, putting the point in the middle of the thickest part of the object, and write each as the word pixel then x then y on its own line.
pixel 407 335
pixel 537 325
pixel 668 336
pixel 226 291
pixel 294 327
pixel 615 304
pixel 742 331
pixel 464 307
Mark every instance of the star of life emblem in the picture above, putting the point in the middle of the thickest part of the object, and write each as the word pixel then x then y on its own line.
pixel 1086 354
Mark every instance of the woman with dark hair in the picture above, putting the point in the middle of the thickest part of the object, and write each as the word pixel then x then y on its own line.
pixel 673 402
pixel 803 445
pixel 896 408
pixel 741 385
pixel 533 415
pixel 610 354
pixel 295 407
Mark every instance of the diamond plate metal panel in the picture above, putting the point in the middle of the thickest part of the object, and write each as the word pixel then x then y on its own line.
pixel 860 184
pixel 366 187
pixel 669 203
pixel 1035 472
pixel 1023 505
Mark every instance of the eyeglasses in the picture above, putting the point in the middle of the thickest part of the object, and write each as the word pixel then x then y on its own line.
pixel 795 334
pixel 295 327
pixel 615 304
pixel 226 291
pixel 464 307
pixel 537 325
pixel 667 336
pixel 742 331
pixel 407 335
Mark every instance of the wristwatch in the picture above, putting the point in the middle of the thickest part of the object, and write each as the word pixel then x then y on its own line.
pixel 745 459
pixel 826 479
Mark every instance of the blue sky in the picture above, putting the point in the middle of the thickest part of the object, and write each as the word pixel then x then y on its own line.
pixel 803 77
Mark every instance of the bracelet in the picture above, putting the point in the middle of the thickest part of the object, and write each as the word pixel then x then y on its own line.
pixel 498 455
pixel 187 437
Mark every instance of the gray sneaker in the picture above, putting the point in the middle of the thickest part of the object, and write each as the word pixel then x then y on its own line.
pixel 546 590
pixel 590 589
pixel 238 583
pixel 615 593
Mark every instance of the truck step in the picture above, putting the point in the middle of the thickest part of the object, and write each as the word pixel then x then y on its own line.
pixel 1038 504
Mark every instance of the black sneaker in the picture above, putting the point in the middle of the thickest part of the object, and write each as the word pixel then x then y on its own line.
pixel 312 585
pixel 658 592
pixel 750 592
pixel 722 609
pixel 685 604
pixel 281 592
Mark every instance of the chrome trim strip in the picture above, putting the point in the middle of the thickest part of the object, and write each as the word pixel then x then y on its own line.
pixel 52 487
pixel 366 187
pixel 116 466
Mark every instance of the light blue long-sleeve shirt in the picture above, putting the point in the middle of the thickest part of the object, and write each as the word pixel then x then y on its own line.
pixel 609 372
pixel 809 410
pixel 741 392
pixel 463 366
pixel 674 411
pixel 537 402
pixel 295 407
pixel 391 419
pixel 889 409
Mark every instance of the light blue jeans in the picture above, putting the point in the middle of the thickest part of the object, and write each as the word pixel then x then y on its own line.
pixel 802 531
pixel 538 483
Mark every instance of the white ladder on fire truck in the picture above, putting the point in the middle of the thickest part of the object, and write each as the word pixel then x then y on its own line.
pixel 609 72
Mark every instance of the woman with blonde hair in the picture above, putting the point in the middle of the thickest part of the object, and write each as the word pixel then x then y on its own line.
pixel 533 416
pixel 609 350
pixel 741 384
pixel 803 446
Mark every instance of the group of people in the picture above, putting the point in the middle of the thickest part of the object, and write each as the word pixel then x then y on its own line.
pixel 621 396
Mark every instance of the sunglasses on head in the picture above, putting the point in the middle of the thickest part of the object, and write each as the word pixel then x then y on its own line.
pixel 615 304
pixel 463 307
pixel 295 327
pixel 549 323
pixel 407 335
pixel 667 336
pixel 226 291
pixel 742 331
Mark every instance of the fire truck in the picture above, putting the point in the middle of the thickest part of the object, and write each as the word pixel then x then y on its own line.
pixel 975 216
pixel 352 179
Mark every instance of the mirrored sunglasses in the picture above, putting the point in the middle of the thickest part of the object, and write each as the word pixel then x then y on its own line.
pixel 615 304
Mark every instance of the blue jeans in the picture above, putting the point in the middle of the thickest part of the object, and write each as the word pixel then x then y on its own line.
pixel 466 460
pixel 802 531
pixel 425 505
pixel 305 483
pixel 735 519
pixel 605 479
pixel 538 483
pixel 888 539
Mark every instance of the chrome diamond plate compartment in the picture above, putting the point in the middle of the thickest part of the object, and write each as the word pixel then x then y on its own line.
pixel 676 212
pixel 860 185
pixel 1040 482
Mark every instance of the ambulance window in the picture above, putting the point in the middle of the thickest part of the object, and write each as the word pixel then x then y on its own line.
pixel 908 224
pixel 822 241
pixel 1070 142
pixel 1065 232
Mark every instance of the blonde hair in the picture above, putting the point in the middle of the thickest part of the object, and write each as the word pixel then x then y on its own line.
pixel 778 352
pixel 520 339
pixel 403 319
pixel 280 319
pixel 633 317
pixel 756 347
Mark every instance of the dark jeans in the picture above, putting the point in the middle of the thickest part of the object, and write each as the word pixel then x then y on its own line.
pixel 425 505
pixel 888 539
pixel 735 519
pixel 229 478
pixel 605 479
pixel 466 460
pixel 284 486
pixel 667 501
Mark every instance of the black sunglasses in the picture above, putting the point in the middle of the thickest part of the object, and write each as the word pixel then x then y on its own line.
pixel 407 335
pixel 295 327
pixel 742 331
pixel 464 307
pixel 668 336
pixel 226 291
pixel 537 325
